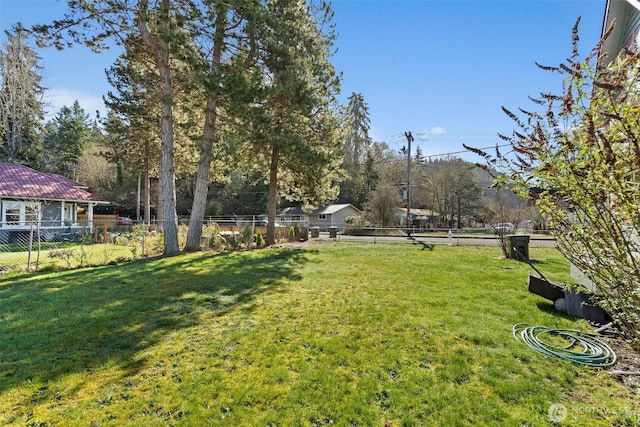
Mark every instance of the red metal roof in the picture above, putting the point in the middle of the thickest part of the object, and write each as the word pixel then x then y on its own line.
pixel 66 181
pixel 22 182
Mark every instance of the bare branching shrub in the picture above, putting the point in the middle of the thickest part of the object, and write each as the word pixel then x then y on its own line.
pixel 64 254
pixel 578 156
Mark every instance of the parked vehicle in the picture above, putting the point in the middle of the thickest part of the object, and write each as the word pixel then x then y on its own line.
pixel 264 223
pixel 123 220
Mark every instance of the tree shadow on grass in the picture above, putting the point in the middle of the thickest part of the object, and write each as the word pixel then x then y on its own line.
pixel 425 246
pixel 547 263
pixel 57 324
pixel 547 307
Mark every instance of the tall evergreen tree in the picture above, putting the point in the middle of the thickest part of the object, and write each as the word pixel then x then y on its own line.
pixel 157 38
pixel 358 126
pixel 296 128
pixel 132 119
pixel 21 104
pixel 227 52
pixel 357 142
pixel 159 26
pixel 66 139
pixel 367 180
pixel 134 108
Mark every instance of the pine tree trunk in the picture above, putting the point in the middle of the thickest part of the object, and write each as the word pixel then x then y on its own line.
pixel 167 170
pixel 160 49
pixel 147 186
pixel 202 179
pixel 199 206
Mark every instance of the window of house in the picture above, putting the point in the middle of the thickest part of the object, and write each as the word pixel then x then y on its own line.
pixel 12 213
pixel 30 213
pixel 322 217
pixel 20 213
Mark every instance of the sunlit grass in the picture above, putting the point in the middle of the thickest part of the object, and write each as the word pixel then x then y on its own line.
pixel 342 334
pixel 57 256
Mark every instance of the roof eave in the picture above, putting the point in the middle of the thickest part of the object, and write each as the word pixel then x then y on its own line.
pixel 48 199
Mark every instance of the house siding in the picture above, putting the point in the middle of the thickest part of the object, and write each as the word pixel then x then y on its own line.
pixel 626 31
pixel 333 219
pixel 632 24
pixel 341 216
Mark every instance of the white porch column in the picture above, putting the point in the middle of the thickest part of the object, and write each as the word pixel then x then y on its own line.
pixel 90 216
pixel 62 214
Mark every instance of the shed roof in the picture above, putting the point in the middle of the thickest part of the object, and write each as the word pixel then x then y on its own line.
pixel 22 182
pixel 323 210
pixel 331 209
pixel 290 210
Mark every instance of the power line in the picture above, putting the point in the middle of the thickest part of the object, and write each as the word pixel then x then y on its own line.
pixel 450 153
pixel 466 151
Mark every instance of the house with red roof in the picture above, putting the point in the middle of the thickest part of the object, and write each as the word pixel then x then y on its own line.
pixel 42 203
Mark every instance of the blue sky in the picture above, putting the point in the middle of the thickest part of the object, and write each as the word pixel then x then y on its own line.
pixel 440 69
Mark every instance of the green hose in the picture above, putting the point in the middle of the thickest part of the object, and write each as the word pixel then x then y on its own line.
pixel 580 348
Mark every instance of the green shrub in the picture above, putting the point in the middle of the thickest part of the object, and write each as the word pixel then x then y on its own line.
pixel 211 237
pixel 247 235
pixel 63 254
pixel 357 225
pixel 232 242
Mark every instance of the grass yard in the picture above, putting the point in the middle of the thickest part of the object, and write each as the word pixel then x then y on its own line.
pixel 15 258
pixel 333 333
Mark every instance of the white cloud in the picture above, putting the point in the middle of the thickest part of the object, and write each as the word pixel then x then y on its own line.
pixel 55 99
pixel 437 131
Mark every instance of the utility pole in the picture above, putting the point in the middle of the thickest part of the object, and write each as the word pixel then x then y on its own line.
pixel 409 141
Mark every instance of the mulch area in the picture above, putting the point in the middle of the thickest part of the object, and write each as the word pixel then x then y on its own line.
pixel 628 359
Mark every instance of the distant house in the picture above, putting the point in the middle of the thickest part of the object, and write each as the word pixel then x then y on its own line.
pixel 292 215
pixel 323 217
pixel 332 216
pixel 422 218
pixel 46 203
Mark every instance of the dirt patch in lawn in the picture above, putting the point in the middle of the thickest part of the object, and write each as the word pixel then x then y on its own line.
pixel 301 245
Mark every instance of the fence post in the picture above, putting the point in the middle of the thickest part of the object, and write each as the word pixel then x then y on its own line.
pixel 30 248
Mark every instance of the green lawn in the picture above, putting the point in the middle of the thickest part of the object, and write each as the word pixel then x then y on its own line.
pixel 60 256
pixel 334 334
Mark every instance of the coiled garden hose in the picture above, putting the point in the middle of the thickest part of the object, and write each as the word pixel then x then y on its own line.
pixel 578 347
